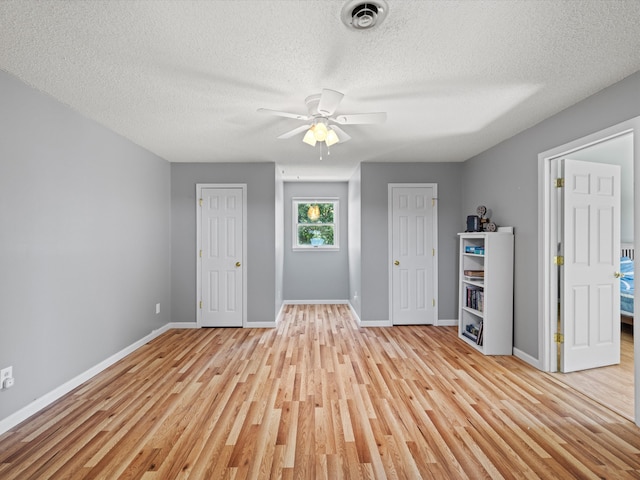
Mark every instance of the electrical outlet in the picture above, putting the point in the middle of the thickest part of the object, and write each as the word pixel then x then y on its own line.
pixel 157 308
pixel 6 374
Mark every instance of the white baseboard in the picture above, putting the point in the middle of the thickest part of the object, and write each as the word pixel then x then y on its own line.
pixel 260 325
pixel 179 325
pixel 388 323
pixel 48 398
pixel 525 357
pixel 368 323
pixel 354 313
pixel 446 323
pixel 376 323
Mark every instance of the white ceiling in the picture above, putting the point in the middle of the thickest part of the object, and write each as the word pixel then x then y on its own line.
pixel 184 78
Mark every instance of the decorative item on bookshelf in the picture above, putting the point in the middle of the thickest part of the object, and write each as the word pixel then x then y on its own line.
pixel 480 222
pixel 473 223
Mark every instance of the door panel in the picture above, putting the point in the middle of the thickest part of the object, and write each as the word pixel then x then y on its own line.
pixel 590 312
pixel 412 251
pixel 222 257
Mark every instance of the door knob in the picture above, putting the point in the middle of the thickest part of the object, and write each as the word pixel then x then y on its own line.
pixel 237 264
pixel 618 275
pixel 396 262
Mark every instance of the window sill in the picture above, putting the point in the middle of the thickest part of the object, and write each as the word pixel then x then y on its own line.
pixel 316 249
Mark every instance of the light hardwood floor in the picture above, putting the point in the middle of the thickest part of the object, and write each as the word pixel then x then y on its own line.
pixel 612 386
pixel 318 397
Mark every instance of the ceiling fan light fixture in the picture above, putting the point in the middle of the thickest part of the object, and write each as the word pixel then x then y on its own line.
pixel 332 138
pixel 309 138
pixel 320 131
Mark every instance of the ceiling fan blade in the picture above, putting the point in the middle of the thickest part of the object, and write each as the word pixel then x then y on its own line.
pixel 329 101
pixel 361 118
pixel 277 113
pixel 342 135
pixel 295 131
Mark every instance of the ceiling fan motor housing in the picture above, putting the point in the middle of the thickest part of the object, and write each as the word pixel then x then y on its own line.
pixel 361 15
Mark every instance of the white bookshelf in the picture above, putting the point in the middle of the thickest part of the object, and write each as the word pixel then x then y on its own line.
pixel 485 316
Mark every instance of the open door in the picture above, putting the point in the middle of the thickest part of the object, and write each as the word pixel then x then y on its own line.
pixel 589 275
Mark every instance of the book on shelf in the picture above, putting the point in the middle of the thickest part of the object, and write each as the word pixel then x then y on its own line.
pixel 480 334
pixel 474 273
pixel 474 279
pixel 472 332
pixel 477 275
pixel 474 297
pixel 470 336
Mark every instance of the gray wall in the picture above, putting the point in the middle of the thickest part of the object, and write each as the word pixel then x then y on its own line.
pixel 316 275
pixel 374 243
pixel 84 243
pixel 505 179
pixel 261 236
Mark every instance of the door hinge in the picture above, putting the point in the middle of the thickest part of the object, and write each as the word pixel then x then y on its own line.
pixel 200 253
pixel 433 202
pixel 558 182
pixel 200 304
pixel 558 338
pixel 558 260
pixel 433 302
pixel 200 202
pixel 433 252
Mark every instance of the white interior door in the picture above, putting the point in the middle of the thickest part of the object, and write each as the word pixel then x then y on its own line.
pixel 589 286
pixel 221 257
pixel 413 254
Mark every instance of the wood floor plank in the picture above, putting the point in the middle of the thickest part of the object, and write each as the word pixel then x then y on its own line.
pixel 612 386
pixel 320 397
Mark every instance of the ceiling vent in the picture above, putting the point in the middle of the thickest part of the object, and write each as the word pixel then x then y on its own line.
pixel 361 15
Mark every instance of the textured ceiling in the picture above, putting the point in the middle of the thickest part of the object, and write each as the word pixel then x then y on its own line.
pixel 184 78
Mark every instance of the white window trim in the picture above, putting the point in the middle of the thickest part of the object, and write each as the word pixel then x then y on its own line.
pixel 294 224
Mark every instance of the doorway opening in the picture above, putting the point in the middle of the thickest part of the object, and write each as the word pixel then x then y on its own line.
pixel 599 147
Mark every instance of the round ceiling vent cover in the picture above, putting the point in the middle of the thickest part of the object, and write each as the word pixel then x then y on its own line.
pixel 361 15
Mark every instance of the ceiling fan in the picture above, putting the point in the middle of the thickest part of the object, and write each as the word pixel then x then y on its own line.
pixel 322 120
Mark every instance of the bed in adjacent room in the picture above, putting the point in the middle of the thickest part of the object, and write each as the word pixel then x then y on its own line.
pixel 627 255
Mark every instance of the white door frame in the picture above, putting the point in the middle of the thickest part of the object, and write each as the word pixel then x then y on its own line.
pixel 434 230
pixel 546 307
pixel 199 188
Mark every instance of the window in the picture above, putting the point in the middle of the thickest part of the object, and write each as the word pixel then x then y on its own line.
pixel 315 224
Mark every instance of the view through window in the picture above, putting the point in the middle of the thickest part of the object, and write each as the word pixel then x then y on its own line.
pixel 315 224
